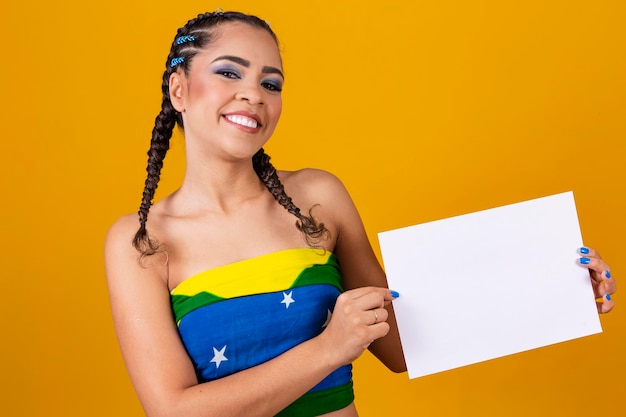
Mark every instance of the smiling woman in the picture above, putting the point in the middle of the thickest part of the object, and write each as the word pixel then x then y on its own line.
pixel 222 306
pixel 223 96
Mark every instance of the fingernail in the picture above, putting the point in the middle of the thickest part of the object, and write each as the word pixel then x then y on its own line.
pixel 608 297
pixel 585 261
pixel 395 294
pixel 607 274
pixel 584 250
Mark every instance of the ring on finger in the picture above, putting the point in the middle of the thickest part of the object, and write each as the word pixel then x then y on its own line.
pixel 375 316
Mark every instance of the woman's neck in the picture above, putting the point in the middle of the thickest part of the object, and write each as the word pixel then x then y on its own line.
pixel 219 187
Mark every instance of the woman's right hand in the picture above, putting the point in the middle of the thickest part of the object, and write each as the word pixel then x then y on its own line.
pixel 359 318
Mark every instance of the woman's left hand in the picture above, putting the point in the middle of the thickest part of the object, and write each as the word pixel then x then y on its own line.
pixel 601 279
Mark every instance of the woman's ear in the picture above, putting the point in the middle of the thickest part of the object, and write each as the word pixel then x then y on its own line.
pixel 177 91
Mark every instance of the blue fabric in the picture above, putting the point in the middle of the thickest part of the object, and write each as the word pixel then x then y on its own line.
pixel 241 315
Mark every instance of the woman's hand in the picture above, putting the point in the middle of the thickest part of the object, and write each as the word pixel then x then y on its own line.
pixel 601 279
pixel 359 318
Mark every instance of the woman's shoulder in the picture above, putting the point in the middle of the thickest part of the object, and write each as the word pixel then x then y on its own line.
pixel 312 181
pixel 322 190
pixel 306 173
pixel 122 260
pixel 118 244
pixel 123 230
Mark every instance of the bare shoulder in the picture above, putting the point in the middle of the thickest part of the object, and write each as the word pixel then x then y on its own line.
pixel 323 195
pixel 121 259
pixel 119 237
pixel 313 186
pixel 122 230
pixel 118 243
pixel 307 174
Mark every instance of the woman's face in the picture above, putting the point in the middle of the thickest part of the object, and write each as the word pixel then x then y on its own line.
pixel 231 98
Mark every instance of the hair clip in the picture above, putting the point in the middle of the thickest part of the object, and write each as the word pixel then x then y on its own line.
pixel 176 61
pixel 184 39
pixel 219 11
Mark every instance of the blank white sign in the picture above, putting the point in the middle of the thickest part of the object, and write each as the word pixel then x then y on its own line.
pixel 489 284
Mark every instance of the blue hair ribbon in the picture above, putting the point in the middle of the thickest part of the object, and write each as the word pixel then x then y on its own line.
pixel 184 39
pixel 176 61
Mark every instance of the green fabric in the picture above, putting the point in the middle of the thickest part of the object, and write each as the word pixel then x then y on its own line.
pixel 182 304
pixel 317 403
pixel 327 273
pixel 316 274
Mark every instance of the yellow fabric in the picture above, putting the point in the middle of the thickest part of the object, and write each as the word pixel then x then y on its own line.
pixel 266 273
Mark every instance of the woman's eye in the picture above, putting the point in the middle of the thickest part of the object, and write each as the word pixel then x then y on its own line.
pixel 228 73
pixel 272 86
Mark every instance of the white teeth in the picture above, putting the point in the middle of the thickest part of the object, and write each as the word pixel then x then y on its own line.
pixel 242 120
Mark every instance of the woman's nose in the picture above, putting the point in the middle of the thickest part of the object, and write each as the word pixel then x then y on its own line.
pixel 250 92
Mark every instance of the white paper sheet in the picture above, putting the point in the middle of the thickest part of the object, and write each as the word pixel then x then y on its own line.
pixel 489 284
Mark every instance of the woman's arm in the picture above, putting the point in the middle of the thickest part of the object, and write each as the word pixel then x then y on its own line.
pixel 161 370
pixel 359 265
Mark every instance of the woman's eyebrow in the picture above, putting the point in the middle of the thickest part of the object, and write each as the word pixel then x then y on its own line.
pixel 272 70
pixel 245 63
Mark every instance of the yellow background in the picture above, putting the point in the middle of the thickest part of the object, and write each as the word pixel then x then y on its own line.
pixel 424 109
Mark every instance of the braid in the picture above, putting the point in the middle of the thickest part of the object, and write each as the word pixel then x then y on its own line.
pixel 159 145
pixel 313 231
pixel 197 36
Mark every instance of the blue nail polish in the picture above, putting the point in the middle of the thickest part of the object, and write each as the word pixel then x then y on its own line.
pixel 608 297
pixel 585 261
pixel 395 294
pixel 584 250
pixel 608 274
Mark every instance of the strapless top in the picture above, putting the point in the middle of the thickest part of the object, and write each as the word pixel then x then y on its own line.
pixel 240 315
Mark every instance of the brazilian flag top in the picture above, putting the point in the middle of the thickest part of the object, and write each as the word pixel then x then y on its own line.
pixel 240 315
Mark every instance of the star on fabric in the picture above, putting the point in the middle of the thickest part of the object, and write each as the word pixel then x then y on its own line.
pixel 328 316
pixel 218 356
pixel 287 299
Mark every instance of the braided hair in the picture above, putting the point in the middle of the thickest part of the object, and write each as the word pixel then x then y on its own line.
pixel 191 39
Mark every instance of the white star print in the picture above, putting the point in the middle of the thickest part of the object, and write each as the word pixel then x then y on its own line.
pixel 287 300
pixel 218 356
pixel 328 316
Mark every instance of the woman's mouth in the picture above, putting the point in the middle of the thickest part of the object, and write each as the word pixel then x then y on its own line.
pixel 242 120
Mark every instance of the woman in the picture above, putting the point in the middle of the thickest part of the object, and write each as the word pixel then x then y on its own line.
pixel 223 307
